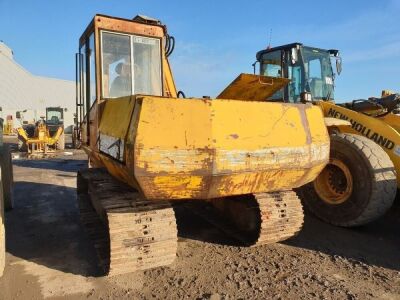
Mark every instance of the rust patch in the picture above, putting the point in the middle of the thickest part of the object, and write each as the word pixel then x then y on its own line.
pixel 234 136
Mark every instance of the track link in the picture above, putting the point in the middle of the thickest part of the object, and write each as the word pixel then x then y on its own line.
pixel 260 219
pixel 128 232
pixel 282 216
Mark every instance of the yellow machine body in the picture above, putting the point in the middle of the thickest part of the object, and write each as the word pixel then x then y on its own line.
pixel 385 131
pixel 193 148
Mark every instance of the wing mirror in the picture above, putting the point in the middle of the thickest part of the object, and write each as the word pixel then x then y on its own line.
pixel 338 65
pixel 254 66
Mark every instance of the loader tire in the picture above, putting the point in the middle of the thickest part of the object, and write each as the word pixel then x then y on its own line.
pixel 356 187
pixel 6 176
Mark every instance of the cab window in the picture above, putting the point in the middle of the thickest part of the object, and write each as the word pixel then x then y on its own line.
pixel 116 67
pixel 271 65
pixel 130 65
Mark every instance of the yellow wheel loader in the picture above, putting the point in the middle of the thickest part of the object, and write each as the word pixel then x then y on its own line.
pixel 359 183
pixel 149 148
pixel 46 136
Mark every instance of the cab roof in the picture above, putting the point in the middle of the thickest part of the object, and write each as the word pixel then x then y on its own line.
pixel 290 46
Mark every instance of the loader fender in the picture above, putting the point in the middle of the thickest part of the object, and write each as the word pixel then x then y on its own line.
pixel 333 122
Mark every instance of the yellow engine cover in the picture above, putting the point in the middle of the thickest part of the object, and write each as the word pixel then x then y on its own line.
pixel 200 149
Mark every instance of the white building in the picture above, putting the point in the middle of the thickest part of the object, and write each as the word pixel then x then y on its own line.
pixel 20 90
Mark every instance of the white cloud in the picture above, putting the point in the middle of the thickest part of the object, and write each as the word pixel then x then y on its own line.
pixel 386 51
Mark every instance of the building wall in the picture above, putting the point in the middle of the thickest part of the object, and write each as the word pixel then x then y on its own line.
pixel 20 90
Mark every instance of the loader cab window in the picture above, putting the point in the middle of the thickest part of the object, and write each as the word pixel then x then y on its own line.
pixel 54 117
pixel 271 65
pixel 295 87
pixel 130 65
pixel 318 73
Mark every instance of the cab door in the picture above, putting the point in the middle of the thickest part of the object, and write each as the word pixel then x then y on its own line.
pixel 86 100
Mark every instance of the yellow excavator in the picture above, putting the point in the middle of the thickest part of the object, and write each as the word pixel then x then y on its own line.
pixel 359 183
pixel 147 148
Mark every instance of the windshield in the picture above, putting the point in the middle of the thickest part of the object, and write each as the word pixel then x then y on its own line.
pixel 318 75
pixel 54 117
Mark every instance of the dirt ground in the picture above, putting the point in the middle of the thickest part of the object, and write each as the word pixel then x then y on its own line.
pixel 50 256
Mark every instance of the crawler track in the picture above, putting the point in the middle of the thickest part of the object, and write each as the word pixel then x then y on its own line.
pixel 129 232
pixel 256 219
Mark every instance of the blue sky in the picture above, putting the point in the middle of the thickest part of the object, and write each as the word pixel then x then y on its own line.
pixel 217 40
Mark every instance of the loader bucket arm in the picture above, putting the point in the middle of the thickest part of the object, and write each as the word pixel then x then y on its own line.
pixel 52 140
pixel 22 134
pixel 377 129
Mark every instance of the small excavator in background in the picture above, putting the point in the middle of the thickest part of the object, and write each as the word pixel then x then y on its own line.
pixel 359 183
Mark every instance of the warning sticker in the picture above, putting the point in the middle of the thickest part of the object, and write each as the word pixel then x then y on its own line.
pixel 328 80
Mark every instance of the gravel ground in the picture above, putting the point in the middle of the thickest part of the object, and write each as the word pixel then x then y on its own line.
pixel 49 255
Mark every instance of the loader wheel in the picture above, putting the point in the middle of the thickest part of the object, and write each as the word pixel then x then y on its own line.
pixel 356 187
pixel 6 176
pixel 61 142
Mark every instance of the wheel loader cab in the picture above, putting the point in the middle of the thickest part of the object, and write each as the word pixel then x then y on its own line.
pixel 54 116
pixel 309 70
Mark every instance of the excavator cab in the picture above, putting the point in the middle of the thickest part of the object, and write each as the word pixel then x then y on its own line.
pixel 117 59
pixel 309 70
